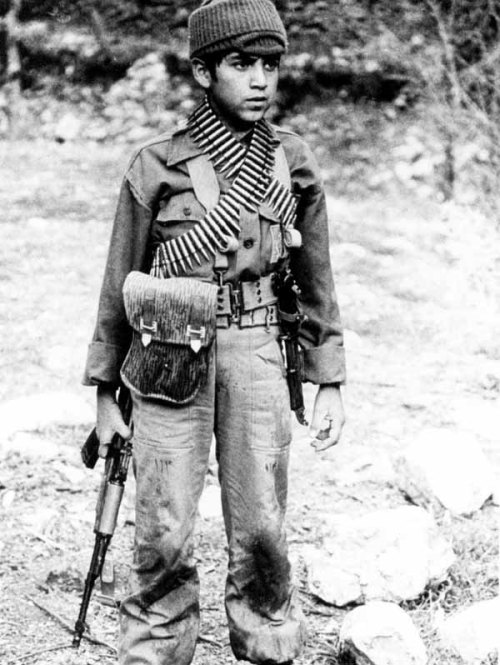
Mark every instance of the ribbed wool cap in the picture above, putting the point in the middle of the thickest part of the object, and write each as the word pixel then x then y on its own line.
pixel 248 25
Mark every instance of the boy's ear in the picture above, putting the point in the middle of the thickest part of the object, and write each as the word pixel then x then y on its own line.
pixel 201 73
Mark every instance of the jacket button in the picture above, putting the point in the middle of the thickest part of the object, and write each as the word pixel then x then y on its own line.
pixel 187 211
pixel 248 243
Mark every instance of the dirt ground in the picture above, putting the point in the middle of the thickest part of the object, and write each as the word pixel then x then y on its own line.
pixel 418 284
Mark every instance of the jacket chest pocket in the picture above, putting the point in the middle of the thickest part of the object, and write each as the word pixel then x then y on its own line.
pixel 272 247
pixel 176 215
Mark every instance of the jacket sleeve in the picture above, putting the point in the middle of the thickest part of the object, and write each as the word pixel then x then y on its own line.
pixel 321 333
pixel 128 250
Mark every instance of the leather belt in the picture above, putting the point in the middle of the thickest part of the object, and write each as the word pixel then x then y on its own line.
pixel 247 304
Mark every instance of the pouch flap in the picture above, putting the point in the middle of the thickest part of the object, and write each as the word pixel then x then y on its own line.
pixel 178 310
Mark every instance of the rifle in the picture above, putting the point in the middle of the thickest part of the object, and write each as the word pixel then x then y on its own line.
pixel 290 319
pixel 108 503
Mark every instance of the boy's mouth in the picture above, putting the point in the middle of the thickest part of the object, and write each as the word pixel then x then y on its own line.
pixel 257 101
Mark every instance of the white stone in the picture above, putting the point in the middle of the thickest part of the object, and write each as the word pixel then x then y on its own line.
pixel 347 254
pixel 30 446
pixel 330 581
pixel 68 127
pixel 39 411
pixel 390 554
pixel 477 416
pixel 473 632
pixel 8 497
pixel 411 150
pixel 40 518
pixel 60 358
pixel 73 475
pixel 381 633
pixel 353 341
pixel 447 466
pixel 210 503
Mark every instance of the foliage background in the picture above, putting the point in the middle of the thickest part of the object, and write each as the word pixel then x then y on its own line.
pixel 421 76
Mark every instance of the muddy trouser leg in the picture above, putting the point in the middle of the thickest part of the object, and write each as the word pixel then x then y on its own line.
pixel 253 432
pixel 159 622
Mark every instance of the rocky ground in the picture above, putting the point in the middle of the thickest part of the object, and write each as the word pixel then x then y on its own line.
pixel 418 285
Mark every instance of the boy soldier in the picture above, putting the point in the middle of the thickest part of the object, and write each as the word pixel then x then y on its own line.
pixel 220 207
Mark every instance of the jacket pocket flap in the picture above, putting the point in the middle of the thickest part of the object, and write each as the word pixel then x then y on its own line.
pixel 181 207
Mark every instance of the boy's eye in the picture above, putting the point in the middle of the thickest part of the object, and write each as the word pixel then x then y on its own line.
pixel 239 64
pixel 271 65
pixel 242 64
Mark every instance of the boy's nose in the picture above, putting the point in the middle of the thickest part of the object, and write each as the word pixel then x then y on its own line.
pixel 259 79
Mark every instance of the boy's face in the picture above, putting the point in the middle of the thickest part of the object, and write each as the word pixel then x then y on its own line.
pixel 244 86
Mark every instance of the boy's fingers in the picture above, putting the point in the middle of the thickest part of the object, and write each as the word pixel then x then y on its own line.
pixel 323 443
pixel 124 431
pixel 320 428
pixel 327 438
pixel 103 449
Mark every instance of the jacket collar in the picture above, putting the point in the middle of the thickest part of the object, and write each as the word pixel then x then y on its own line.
pixel 182 146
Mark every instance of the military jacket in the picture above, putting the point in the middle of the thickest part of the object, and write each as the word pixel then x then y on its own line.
pixel 157 202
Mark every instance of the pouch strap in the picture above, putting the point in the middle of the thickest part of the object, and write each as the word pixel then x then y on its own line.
pixel 281 168
pixel 148 323
pixel 196 330
pixel 204 180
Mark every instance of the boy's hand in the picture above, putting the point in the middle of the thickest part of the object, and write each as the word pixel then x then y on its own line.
pixel 328 418
pixel 109 420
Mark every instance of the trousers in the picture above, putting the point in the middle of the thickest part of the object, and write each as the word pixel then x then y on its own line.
pixel 245 404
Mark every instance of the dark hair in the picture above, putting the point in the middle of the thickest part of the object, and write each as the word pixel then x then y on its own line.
pixel 212 61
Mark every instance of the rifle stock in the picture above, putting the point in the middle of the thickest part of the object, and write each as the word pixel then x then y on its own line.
pixel 108 504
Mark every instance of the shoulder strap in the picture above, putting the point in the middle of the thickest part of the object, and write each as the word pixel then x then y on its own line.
pixel 281 169
pixel 204 180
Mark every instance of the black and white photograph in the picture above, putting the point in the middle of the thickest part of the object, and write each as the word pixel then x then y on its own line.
pixel 249 332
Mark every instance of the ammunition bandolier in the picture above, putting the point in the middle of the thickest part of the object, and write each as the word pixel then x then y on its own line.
pixel 251 169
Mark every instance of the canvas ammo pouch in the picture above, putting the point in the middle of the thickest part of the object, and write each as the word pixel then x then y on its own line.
pixel 174 324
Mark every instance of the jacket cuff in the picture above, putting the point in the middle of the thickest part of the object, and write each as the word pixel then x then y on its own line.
pixel 324 364
pixel 103 364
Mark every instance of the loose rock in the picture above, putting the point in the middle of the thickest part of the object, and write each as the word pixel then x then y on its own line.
pixel 40 518
pixel 37 412
pixel 68 128
pixel 210 503
pixel 29 446
pixel 381 634
pixel 389 554
pixel 447 467
pixel 7 498
pixel 472 632
pixel 75 476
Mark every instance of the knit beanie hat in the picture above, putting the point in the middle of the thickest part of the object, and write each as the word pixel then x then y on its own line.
pixel 252 26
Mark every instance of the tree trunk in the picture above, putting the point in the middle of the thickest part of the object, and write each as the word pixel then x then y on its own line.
pixel 10 66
